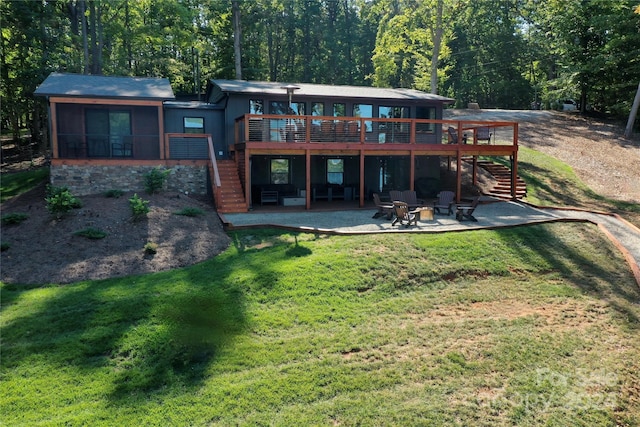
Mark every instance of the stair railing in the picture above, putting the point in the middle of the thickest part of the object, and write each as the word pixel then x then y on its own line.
pixel 217 186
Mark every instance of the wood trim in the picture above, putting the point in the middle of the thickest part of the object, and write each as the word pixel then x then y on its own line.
pixel 106 101
pixel 129 162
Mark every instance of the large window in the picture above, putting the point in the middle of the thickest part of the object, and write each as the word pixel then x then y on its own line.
pixel 364 110
pixel 339 109
pixel 393 112
pixel 279 171
pixel 108 133
pixel 193 124
pixel 425 113
pixel 335 171
pixel 256 106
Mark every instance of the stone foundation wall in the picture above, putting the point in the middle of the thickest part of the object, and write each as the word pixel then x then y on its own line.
pixel 85 180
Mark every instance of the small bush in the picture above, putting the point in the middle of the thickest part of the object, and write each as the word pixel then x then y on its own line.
pixel 139 207
pixel 113 193
pixel 60 201
pixel 4 246
pixel 154 179
pixel 150 248
pixel 14 218
pixel 91 233
pixel 190 212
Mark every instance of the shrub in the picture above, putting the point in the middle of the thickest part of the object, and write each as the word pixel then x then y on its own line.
pixel 154 179
pixel 139 207
pixel 150 248
pixel 190 212
pixel 113 193
pixel 14 218
pixel 60 201
pixel 4 246
pixel 91 233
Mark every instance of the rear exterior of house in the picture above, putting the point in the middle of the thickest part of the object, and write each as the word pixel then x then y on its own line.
pixel 254 143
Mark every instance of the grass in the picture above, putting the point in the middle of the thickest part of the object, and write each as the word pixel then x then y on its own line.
pixel 17 183
pixel 551 182
pixel 531 326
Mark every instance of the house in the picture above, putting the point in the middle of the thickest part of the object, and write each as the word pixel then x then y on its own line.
pixel 253 143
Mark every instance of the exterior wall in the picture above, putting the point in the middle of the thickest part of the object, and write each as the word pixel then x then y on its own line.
pixel 83 180
pixel 213 124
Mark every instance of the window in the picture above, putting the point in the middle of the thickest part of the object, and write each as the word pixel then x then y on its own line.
pixel 256 106
pixel 339 109
pixel 393 112
pixel 278 107
pixel 335 171
pixel 298 108
pixel 317 109
pixel 425 113
pixel 193 124
pixel 108 133
pixel 364 110
pixel 279 171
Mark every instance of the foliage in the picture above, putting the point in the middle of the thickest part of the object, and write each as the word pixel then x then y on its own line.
pixel 139 207
pixel 150 248
pixel 496 327
pixel 13 184
pixel 4 246
pixel 154 179
pixel 91 233
pixel 190 212
pixel 14 218
pixel 113 193
pixel 60 201
pixel 500 53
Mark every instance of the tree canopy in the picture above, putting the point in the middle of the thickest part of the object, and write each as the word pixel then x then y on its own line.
pixel 499 53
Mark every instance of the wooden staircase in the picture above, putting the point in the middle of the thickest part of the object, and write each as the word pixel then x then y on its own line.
pixel 502 177
pixel 231 195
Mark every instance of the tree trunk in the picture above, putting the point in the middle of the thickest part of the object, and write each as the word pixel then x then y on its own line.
pixel 85 41
pixel 437 41
pixel 632 114
pixel 237 35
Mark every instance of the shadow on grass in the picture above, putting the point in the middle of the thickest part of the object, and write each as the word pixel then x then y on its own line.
pixel 592 278
pixel 148 332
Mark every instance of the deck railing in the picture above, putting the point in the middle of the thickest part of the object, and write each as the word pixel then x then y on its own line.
pixel 340 130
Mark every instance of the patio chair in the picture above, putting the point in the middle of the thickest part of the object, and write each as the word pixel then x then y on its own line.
pixel 383 208
pixel 403 215
pixel 410 198
pixel 453 136
pixel 466 211
pixel 483 134
pixel 395 195
pixel 445 201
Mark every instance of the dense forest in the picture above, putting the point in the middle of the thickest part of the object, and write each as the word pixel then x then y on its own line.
pixel 499 53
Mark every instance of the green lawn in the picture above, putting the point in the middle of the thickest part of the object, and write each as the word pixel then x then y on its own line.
pixel 13 184
pixel 533 326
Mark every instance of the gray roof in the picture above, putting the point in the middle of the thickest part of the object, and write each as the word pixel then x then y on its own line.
pixel 89 86
pixel 308 89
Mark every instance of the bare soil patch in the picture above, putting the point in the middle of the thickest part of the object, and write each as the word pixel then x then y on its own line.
pixel 46 250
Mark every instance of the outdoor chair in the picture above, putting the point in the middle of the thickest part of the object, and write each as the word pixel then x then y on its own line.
pixel 268 196
pixel 383 208
pixel 403 215
pixel 395 195
pixel 445 201
pixel 453 136
pixel 483 134
pixel 410 198
pixel 466 211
